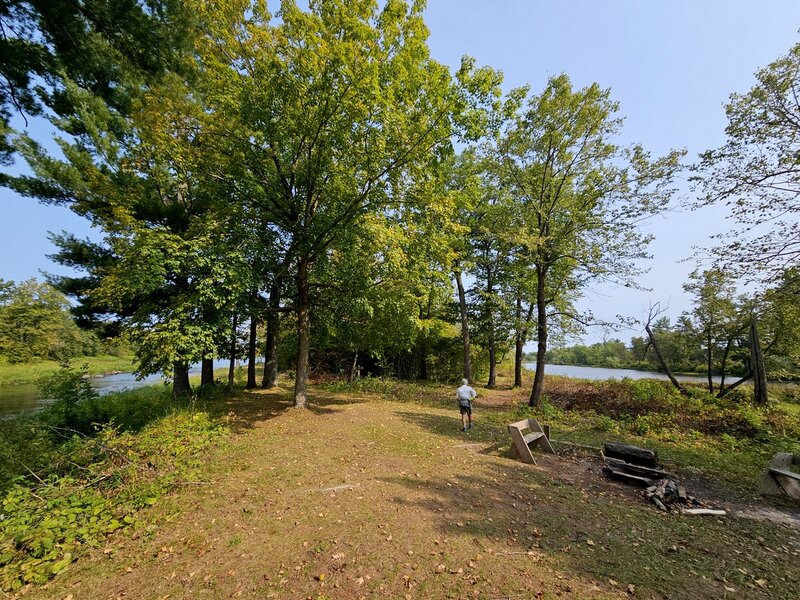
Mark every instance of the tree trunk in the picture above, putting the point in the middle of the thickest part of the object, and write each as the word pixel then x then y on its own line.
pixel 423 346
pixel 270 379
pixel 251 353
pixel 492 364
pixel 232 364
pixel 207 371
pixel 462 303
pixel 733 386
pixel 353 367
pixel 492 383
pixel 180 380
pixel 662 361
pixel 757 362
pixel 541 339
pixel 303 335
pixel 709 362
pixel 522 337
pixel 724 366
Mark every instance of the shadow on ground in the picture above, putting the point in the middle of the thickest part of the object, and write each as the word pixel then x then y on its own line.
pixel 246 408
pixel 582 530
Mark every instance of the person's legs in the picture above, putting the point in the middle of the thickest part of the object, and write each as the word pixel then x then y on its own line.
pixel 469 413
pixel 463 419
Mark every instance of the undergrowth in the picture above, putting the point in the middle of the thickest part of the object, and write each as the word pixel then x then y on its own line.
pixel 84 466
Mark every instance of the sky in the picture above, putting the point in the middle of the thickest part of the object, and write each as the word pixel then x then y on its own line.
pixel 671 64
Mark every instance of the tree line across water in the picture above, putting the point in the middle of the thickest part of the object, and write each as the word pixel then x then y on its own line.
pixel 36 324
pixel 311 186
pixel 713 338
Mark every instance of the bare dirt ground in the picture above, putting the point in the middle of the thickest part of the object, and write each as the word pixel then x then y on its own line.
pixel 369 498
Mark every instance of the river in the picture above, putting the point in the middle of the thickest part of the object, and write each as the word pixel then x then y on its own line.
pixel 599 373
pixel 25 398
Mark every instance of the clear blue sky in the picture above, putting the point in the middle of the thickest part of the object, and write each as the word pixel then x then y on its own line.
pixel 671 64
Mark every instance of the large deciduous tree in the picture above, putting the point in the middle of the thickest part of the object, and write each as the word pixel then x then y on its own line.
pixel 336 113
pixel 757 173
pixel 580 195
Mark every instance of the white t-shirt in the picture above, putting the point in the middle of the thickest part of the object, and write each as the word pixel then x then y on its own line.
pixel 465 393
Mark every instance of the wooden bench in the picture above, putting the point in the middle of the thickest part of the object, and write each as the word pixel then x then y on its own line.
pixel 523 442
pixel 779 478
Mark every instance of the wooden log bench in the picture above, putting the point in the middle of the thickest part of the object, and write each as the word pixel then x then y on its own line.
pixel 528 434
pixel 779 479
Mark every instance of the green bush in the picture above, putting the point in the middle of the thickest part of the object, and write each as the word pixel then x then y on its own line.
pixel 95 486
pixel 73 399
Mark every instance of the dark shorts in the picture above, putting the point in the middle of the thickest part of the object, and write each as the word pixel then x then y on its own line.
pixel 466 410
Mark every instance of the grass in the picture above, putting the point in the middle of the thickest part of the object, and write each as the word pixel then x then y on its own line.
pixel 375 493
pixel 18 374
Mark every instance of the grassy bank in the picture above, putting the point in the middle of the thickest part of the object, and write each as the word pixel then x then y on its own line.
pixel 375 492
pixel 83 467
pixel 729 440
pixel 18 374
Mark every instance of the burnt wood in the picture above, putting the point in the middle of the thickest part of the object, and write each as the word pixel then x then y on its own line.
pixel 631 454
pixel 620 475
pixel 620 464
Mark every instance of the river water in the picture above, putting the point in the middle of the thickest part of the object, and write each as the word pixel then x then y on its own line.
pixel 25 398
pixel 599 373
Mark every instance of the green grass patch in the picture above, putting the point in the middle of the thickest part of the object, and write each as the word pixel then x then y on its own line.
pixel 18 374
pixel 730 440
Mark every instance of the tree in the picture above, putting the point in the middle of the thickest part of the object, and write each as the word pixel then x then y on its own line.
pixel 380 299
pixel 490 238
pixel 757 174
pixel 335 113
pixel 35 323
pixel 716 317
pixel 580 195
pixel 175 258
pixel 44 43
pixel 779 318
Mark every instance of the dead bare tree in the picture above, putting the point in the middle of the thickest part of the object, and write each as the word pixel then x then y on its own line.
pixel 653 312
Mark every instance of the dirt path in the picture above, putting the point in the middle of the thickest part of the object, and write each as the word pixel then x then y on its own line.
pixel 378 499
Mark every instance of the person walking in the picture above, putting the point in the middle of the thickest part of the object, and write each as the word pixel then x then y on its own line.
pixel 465 394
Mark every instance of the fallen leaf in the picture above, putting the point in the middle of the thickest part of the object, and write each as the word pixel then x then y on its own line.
pixel 729 589
pixel 631 588
pixel 589 543
pixel 761 582
pixel 440 568
pixel 612 582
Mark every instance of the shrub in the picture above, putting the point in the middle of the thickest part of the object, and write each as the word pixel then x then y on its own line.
pixel 94 487
pixel 73 398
